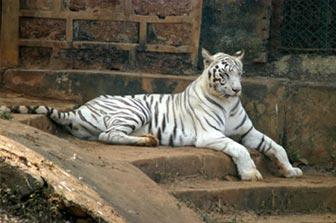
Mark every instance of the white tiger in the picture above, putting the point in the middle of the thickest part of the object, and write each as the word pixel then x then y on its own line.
pixel 206 114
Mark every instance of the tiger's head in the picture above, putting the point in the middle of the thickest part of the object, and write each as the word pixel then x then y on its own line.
pixel 223 73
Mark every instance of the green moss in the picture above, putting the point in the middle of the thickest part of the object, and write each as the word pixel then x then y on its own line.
pixel 6 115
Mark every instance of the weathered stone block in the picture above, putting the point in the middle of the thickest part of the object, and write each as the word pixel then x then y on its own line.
pixel 107 31
pixel 80 5
pixel 35 57
pixel 36 4
pixel 264 101
pixel 233 25
pixel 167 63
pixel 93 57
pixel 170 34
pixel 304 67
pixel 311 123
pixel 42 28
pixel 162 8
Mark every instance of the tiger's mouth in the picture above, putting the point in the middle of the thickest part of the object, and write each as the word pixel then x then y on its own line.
pixel 226 95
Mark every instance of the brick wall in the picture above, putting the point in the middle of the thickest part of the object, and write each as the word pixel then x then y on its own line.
pixel 139 35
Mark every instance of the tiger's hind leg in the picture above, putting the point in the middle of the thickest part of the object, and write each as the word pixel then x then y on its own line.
pixel 119 130
pixel 121 138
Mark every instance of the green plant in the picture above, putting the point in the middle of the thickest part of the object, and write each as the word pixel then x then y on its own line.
pixel 6 115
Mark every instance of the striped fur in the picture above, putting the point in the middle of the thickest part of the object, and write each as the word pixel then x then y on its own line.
pixel 206 114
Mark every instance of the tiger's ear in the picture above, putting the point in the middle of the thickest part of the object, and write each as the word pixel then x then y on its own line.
pixel 207 58
pixel 239 54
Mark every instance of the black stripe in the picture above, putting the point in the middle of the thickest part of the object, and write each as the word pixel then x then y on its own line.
pixel 151 99
pixel 142 107
pixel 156 114
pixel 214 102
pixel 269 147
pixel 232 112
pixel 199 121
pixel 242 122
pixel 261 141
pixel 171 142
pixel 190 107
pixel 210 115
pixel 174 117
pixel 163 123
pixel 127 118
pixel 262 147
pixel 94 117
pixel 88 130
pixel 150 126
pixel 131 107
pixel 123 131
pixel 182 127
pixel 219 118
pixel 127 102
pixel 135 112
pixel 205 110
pixel 81 116
pixel 212 126
pixel 160 98
pixel 245 134
pixel 159 135
pixel 168 107
pixel 51 111
pixel 108 108
pixel 129 126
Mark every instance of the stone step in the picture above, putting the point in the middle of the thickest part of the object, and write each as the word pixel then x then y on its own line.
pixel 204 163
pixel 248 217
pixel 309 194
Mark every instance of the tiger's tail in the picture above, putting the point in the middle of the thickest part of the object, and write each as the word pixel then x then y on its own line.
pixel 60 117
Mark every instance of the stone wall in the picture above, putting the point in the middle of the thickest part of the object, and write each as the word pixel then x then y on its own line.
pixel 151 36
pixel 229 26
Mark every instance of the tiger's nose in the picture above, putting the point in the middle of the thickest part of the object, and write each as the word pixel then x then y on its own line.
pixel 236 90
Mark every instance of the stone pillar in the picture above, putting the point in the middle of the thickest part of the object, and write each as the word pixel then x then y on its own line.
pixel 9 33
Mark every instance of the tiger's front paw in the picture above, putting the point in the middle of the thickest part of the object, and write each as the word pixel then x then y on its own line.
pixel 293 172
pixel 252 175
